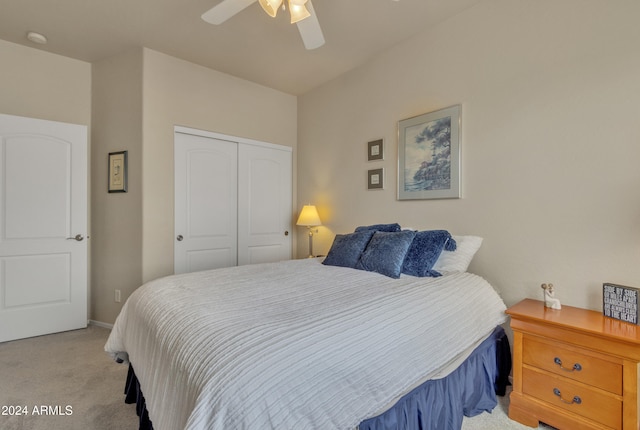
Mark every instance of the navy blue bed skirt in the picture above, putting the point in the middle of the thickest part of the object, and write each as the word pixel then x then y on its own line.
pixel 438 404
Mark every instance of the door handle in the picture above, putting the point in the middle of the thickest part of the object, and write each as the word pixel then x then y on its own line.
pixel 286 233
pixel 77 237
pixel 179 238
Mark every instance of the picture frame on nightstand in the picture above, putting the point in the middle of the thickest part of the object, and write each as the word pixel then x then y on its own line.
pixel 620 302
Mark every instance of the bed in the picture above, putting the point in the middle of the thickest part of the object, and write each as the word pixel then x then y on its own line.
pixel 304 344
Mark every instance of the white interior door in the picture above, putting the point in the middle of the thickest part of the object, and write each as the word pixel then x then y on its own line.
pixel 264 196
pixel 43 227
pixel 205 203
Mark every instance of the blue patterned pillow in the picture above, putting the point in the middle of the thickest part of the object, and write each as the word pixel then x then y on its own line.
pixel 379 227
pixel 385 252
pixel 346 248
pixel 424 252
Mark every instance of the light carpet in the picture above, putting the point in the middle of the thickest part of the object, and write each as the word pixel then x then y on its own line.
pixel 66 381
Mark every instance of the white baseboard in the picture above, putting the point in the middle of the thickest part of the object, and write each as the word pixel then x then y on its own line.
pixel 101 324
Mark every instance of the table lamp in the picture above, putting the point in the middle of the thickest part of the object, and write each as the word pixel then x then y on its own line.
pixel 309 218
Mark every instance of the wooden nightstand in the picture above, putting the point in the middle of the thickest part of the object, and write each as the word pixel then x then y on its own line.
pixel 573 368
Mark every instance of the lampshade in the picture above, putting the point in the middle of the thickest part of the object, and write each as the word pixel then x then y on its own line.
pixel 298 10
pixel 270 6
pixel 309 216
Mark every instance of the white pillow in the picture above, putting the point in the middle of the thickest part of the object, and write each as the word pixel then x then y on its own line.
pixel 458 260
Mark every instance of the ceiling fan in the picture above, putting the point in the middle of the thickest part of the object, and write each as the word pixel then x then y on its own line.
pixel 302 14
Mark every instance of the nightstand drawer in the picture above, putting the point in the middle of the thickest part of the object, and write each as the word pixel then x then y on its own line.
pixel 575 365
pixel 593 404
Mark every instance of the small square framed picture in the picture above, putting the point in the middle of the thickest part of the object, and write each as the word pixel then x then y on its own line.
pixel 375 179
pixel 375 150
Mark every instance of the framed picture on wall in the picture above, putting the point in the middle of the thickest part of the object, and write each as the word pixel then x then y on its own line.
pixel 375 150
pixel 118 172
pixel 375 179
pixel 429 155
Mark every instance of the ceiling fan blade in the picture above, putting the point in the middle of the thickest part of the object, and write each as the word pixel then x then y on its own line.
pixel 310 30
pixel 225 10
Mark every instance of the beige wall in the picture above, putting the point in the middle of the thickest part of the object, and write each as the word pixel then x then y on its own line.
pixel 38 84
pixel 550 142
pixel 177 92
pixel 116 240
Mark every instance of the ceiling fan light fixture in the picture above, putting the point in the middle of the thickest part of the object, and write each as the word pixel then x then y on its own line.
pixel 298 10
pixel 270 6
pixel 302 14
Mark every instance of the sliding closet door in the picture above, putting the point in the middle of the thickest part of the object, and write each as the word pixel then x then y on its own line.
pixel 205 203
pixel 232 201
pixel 264 204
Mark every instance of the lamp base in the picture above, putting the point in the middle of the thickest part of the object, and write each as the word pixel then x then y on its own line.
pixel 310 243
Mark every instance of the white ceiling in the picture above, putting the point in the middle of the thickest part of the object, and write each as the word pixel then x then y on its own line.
pixel 251 45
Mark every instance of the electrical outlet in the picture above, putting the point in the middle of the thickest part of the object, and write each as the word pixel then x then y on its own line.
pixel 117 297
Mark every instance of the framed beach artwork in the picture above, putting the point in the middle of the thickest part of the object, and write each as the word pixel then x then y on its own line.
pixel 429 155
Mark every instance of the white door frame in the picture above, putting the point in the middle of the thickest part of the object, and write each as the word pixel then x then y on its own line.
pixel 220 136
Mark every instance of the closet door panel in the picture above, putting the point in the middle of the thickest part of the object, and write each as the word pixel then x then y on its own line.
pixel 205 203
pixel 264 204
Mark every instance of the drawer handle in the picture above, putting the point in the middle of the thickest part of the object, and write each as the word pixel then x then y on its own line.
pixel 576 399
pixel 576 367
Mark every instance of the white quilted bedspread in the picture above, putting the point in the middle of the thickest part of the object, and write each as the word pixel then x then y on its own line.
pixel 293 345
